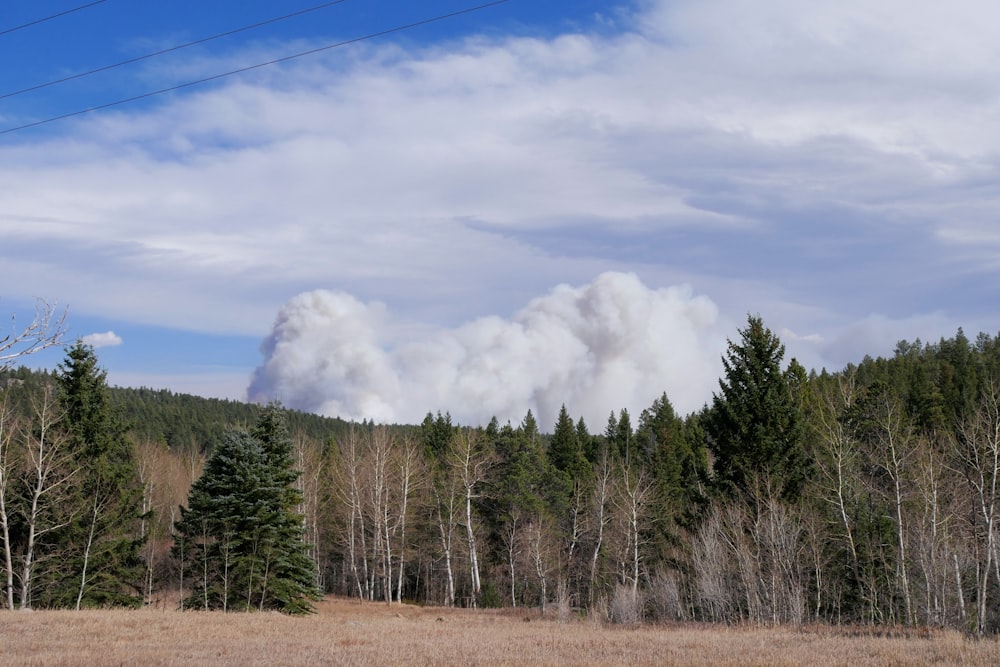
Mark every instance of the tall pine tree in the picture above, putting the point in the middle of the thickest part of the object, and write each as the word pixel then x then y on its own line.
pixel 755 426
pixel 101 546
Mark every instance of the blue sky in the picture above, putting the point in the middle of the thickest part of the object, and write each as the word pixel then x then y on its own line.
pixel 536 203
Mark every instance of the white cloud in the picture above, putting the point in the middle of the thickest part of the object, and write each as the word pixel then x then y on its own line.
pixel 613 343
pixel 99 340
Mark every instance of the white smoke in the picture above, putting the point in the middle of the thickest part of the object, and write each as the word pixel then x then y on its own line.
pixel 611 344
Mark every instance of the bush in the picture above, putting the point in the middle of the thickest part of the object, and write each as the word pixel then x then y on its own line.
pixel 626 606
pixel 665 602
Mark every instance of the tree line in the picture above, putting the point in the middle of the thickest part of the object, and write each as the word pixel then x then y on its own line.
pixel 867 495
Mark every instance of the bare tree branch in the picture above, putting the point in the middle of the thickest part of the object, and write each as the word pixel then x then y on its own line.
pixel 47 329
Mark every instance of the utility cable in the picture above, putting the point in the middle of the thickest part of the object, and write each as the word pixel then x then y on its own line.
pixel 249 68
pixel 171 49
pixel 7 31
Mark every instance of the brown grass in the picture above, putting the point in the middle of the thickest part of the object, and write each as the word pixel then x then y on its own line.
pixel 346 632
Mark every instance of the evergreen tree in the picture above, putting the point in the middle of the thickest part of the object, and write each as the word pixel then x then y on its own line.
pixel 564 449
pixel 240 538
pixel 588 444
pixel 611 434
pixel 101 547
pixel 755 426
pixel 678 463
pixel 436 434
pixel 627 446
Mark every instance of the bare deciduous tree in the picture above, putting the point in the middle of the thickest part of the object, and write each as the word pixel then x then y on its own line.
pixel 632 497
pixel 470 463
pixel 312 467
pixel 8 463
pixel 409 477
pixel 893 446
pixel 350 485
pixel 600 498
pixel 541 549
pixel 48 472
pixel 445 499
pixel 980 451
pixel 46 329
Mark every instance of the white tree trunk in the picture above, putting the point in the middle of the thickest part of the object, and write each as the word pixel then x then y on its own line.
pixel 601 493
pixel 470 466
pixel 48 474
pixel 446 529
pixel 86 551
pixel 6 468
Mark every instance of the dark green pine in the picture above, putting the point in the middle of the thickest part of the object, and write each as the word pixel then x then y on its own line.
pixel 755 426
pixel 106 496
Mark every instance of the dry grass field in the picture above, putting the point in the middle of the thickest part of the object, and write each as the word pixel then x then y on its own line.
pixel 346 632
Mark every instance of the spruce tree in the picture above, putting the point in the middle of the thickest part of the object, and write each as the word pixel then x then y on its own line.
pixel 678 463
pixel 240 539
pixel 100 548
pixel 755 425
pixel 565 451
pixel 627 449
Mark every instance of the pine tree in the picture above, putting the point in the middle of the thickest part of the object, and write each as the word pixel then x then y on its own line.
pixel 627 448
pixel 755 425
pixel 678 464
pixel 436 434
pixel 101 547
pixel 565 451
pixel 240 538
pixel 589 445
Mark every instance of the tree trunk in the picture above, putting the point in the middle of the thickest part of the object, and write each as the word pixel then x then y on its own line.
pixel 510 539
pixel 473 556
pixel 6 467
pixel 446 529
pixel 600 505
pixel 86 551
pixel 48 473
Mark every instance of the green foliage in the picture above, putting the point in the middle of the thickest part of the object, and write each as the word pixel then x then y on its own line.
pixel 183 421
pixel 101 546
pixel 436 434
pixel 240 539
pixel 565 451
pixel 516 481
pixel 755 426
pixel 678 464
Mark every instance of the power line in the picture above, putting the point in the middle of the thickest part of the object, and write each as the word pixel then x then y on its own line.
pixel 49 18
pixel 171 49
pixel 249 68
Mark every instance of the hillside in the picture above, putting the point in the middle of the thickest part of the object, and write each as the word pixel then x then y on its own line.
pixel 180 420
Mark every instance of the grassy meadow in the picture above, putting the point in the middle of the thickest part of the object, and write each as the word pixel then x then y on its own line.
pixel 349 632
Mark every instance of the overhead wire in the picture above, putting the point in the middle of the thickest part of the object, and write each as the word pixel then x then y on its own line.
pixel 7 31
pixel 203 40
pixel 241 70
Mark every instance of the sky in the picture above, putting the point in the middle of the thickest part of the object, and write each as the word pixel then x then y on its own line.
pixel 531 204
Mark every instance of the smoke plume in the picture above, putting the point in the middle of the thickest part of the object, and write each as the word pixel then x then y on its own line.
pixel 607 345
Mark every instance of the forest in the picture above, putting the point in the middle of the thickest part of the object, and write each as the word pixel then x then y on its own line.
pixel 867 495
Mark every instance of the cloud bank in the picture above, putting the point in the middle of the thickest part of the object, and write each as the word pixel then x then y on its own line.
pixel 613 343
